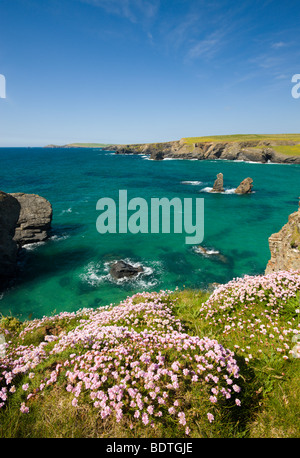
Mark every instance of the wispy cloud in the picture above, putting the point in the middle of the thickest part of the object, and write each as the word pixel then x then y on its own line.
pixel 206 47
pixel 278 45
pixel 132 10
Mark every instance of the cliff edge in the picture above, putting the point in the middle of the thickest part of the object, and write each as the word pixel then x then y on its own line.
pixel 249 150
pixel 24 218
pixel 285 246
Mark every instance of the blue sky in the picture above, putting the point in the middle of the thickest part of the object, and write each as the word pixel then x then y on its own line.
pixel 129 71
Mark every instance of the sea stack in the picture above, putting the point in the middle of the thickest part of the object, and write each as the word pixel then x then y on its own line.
pixel 218 184
pixel 245 187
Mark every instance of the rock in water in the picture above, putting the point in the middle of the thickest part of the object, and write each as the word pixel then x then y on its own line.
pixel 9 215
pixel 245 186
pixel 218 184
pixel 34 220
pixel 121 269
pixel 285 246
pixel 157 155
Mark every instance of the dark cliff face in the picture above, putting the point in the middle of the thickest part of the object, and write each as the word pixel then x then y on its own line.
pixel 9 215
pixel 24 218
pixel 255 151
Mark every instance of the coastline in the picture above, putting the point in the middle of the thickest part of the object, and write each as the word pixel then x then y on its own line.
pixel 264 149
pixel 250 151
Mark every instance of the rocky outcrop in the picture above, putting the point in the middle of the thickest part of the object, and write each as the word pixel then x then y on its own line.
pixel 285 246
pixel 157 155
pixel 252 150
pixel 9 215
pixel 24 218
pixel 121 269
pixel 245 187
pixel 218 184
pixel 34 220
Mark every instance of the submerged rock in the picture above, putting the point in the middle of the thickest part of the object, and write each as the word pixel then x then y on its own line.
pixel 211 253
pixel 245 187
pixel 218 184
pixel 34 220
pixel 121 269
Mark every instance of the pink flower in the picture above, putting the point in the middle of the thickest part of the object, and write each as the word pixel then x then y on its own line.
pixel 150 410
pixel 236 388
pixel 210 417
pixel 23 408
pixel 182 419
pixel 145 419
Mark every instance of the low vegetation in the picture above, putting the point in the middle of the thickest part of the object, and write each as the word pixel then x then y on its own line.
pixel 165 364
pixel 87 145
pixel 290 150
pixel 244 138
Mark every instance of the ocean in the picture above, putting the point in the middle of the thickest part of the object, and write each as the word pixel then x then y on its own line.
pixel 70 271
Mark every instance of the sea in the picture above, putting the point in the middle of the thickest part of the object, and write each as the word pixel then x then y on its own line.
pixel 71 270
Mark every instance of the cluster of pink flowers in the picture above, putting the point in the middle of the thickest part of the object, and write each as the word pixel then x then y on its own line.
pixel 264 309
pixel 132 360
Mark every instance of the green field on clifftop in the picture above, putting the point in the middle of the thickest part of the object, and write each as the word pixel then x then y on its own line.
pixel 244 137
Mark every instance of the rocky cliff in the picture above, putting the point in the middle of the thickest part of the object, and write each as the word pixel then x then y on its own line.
pixel 252 150
pixel 9 215
pixel 24 218
pixel 34 220
pixel 285 246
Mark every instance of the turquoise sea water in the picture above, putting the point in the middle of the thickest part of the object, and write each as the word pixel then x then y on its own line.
pixel 71 270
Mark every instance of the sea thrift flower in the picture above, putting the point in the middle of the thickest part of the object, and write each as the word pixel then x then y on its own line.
pixel 23 408
pixel 116 358
pixel 210 417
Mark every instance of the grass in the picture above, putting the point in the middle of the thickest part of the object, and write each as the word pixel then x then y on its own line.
pixel 290 150
pixel 159 342
pixel 88 145
pixel 244 137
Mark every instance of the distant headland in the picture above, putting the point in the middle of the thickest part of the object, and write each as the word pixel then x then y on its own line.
pixel 275 148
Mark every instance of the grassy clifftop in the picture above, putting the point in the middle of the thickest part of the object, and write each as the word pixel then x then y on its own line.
pixel 285 144
pixel 167 364
pixel 279 142
pixel 245 137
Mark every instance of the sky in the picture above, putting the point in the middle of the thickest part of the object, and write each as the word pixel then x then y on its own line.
pixel 139 71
